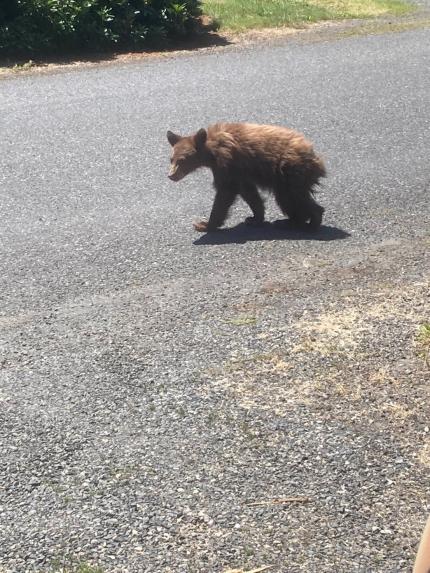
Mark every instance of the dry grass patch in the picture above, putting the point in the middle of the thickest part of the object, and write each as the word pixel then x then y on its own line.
pixel 396 410
pixel 243 377
pixel 342 331
pixel 345 358
pixel 347 392
pixel 382 376
pixel 335 332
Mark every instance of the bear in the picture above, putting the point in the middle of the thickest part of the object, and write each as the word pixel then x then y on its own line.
pixel 246 157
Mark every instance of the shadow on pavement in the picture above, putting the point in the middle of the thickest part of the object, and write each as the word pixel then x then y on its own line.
pixel 281 230
pixel 204 38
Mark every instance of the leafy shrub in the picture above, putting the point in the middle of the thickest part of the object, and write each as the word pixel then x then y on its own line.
pixel 36 26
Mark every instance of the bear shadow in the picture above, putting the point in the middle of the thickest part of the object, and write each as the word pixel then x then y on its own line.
pixel 280 230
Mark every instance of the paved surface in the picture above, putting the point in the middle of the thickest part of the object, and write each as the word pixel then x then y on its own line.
pixel 154 382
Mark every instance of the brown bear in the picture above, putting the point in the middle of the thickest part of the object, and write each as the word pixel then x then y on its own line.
pixel 244 157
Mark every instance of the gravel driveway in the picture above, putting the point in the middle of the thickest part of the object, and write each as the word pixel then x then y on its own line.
pixel 172 402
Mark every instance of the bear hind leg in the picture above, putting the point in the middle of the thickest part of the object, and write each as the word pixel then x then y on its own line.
pixel 289 205
pixel 299 206
pixel 317 215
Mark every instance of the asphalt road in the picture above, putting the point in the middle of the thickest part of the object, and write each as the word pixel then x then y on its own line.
pixel 144 368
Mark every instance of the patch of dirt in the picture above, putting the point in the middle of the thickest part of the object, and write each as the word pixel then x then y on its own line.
pixel 338 393
pixel 353 357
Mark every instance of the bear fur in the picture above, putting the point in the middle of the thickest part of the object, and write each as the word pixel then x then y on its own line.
pixel 247 157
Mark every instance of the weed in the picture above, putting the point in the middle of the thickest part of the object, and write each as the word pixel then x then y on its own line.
pixel 181 411
pixel 423 340
pixel 84 568
pixel 211 418
pixel 242 320
pixel 24 66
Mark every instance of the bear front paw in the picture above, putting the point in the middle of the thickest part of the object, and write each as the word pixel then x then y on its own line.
pixel 201 226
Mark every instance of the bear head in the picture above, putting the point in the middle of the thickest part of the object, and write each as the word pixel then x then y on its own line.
pixel 188 153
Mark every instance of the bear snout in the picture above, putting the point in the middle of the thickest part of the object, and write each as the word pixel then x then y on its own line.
pixel 175 173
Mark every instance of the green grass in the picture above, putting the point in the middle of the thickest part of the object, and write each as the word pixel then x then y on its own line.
pixel 239 15
pixel 423 339
pixel 242 320
pixel 83 568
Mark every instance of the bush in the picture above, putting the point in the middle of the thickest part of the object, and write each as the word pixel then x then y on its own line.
pixel 39 26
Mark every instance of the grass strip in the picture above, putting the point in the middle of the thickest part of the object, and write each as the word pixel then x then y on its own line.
pixel 240 15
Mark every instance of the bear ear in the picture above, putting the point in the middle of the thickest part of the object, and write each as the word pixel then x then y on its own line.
pixel 200 138
pixel 173 138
